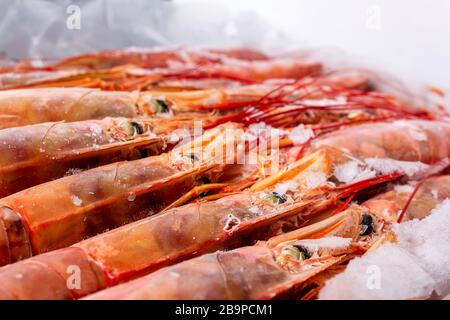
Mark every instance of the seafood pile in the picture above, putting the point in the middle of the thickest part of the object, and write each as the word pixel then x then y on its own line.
pixel 207 174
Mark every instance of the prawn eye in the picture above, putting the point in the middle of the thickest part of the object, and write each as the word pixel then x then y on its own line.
pixel 275 198
pixel 138 128
pixel 304 253
pixel 366 225
pixel 298 252
pixel 160 106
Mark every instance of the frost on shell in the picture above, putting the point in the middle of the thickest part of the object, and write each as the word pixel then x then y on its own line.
pixel 325 102
pixel 435 193
pixel 315 179
pixel 406 188
pixel 387 166
pixel 76 201
pixel 414 131
pixel 418 135
pixel 262 129
pixel 353 171
pixel 422 250
pixel 300 134
pixel 254 209
pixel 72 171
pixel 283 188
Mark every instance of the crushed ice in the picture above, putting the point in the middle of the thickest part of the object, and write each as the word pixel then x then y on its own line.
pixel 354 171
pixel 387 166
pixel 417 266
pixel 76 201
pixel 300 134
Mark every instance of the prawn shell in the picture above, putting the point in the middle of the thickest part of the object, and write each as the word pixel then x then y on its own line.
pixel 67 210
pixel 244 273
pixel 30 106
pixel 167 238
pixel 181 233
pixel 70 276
pixel 408 140
pixel 430 193
pixel 35 154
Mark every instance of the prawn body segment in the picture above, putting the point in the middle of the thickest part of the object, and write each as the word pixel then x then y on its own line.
pixel 34 154
pixel 30 106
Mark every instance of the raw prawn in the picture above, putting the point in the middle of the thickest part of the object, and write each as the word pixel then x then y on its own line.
pixel 64 211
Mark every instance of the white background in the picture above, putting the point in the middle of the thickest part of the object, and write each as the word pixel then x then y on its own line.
pixel 409 38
